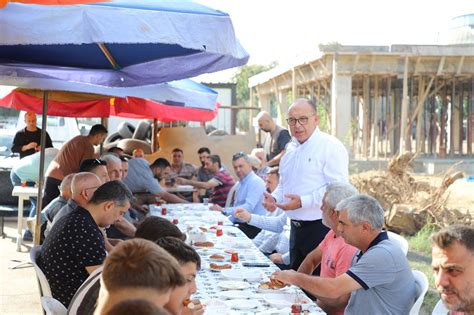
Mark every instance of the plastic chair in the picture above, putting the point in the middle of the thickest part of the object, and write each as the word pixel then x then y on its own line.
pixel 43 284
pixel 52 306
pixel 230 195
pixel 421 284
pixel 440 309
pixel 399 240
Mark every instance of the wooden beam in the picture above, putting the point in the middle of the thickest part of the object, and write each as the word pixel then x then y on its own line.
pixel 356 63
pixel 417 65
pixel 323 65
pixel 365 126
pixel 404 115
pixel 372 63
pixel 461 62
pixel 451 121
pixel 420 126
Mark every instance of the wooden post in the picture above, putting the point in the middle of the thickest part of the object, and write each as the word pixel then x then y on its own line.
pixel 388 113
pixel 451 121
pixel 420 126
pixel 365 127
pixel 404 116
pixel 374 134
pixel 154 136
pixel 461 117
pixel 442 132
pixel 470 118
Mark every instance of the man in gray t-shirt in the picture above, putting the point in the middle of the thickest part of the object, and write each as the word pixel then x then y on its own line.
pixel 143 177
pixel 380 280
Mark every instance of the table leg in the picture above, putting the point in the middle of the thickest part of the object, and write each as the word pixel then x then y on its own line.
pixel 19 237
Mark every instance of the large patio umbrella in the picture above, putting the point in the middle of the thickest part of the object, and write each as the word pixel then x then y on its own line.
pixel 112 44
pixel 179 100
pixel 149 41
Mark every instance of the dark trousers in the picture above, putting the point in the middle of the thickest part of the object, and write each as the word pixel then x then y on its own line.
pixel 51 190
pixel 249 230
pixel 304 237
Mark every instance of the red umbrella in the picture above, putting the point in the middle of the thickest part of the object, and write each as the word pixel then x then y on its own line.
pixel 75 104
pixel 3 3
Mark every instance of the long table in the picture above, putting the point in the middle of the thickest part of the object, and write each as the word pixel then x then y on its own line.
pixel 236 290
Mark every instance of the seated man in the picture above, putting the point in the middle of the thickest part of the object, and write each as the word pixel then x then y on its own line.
pixel 50 211
pixel 219 185
pixel 249 194
pixel 179 167
pixel 152 228
pixel 453 267
pixel 96 166
pixel 379 280
pixel 202 173
pixel 75 246
pixel 333 253
pixel 83 186
pixel 144 178
pixel 190 263
pixel 138 268
pixel 114 166
pixel 267 241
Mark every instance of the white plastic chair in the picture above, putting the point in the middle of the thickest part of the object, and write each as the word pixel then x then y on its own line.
pixel 230 195
pixel 399 240
pixel 440 309
pixel 421 284
pixel 52 306
pixel 43 284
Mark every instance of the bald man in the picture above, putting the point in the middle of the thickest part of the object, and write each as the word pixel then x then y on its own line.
pixel 83 186
pixel 275 140
pixel 27 141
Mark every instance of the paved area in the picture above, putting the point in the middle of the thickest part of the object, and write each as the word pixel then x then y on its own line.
pixel 19 293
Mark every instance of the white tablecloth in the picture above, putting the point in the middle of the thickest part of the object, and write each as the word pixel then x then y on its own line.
pixel 209 281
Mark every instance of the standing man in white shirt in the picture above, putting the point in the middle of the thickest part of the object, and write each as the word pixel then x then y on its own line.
pixel 312 160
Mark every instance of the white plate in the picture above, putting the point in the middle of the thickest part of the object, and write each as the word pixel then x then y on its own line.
pixel 243 304
pixel 285 299
pixel 233 285
pixel 242 274
pixel 215 306
pixel 235 294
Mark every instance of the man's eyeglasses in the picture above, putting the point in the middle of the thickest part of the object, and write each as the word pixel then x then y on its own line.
pixel 302 120
pixel 238 155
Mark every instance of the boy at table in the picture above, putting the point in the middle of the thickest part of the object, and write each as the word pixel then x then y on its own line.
pixel 190 263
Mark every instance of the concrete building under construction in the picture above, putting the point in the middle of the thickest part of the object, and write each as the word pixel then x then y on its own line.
pixel 380 100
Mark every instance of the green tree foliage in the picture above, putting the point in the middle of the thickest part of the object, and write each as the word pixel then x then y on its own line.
pixel 241 78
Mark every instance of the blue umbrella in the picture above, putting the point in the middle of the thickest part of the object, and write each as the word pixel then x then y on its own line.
pixel 110 45
pixel 149 41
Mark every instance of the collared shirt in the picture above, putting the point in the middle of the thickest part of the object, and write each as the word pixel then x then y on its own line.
pixel 268 241
pixel 307 168
pixel 140 177
pixel 388 285
pixel 64 211
pixel 249 196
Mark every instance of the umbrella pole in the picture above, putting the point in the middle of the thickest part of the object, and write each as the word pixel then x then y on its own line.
pixel 154 138
pixel 39 203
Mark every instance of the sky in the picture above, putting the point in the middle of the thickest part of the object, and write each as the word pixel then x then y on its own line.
pixel 279 30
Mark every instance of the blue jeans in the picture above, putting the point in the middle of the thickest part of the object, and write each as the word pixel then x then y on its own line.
pixel 16 181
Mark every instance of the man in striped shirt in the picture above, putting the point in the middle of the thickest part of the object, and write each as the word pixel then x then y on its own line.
pixel 220 184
